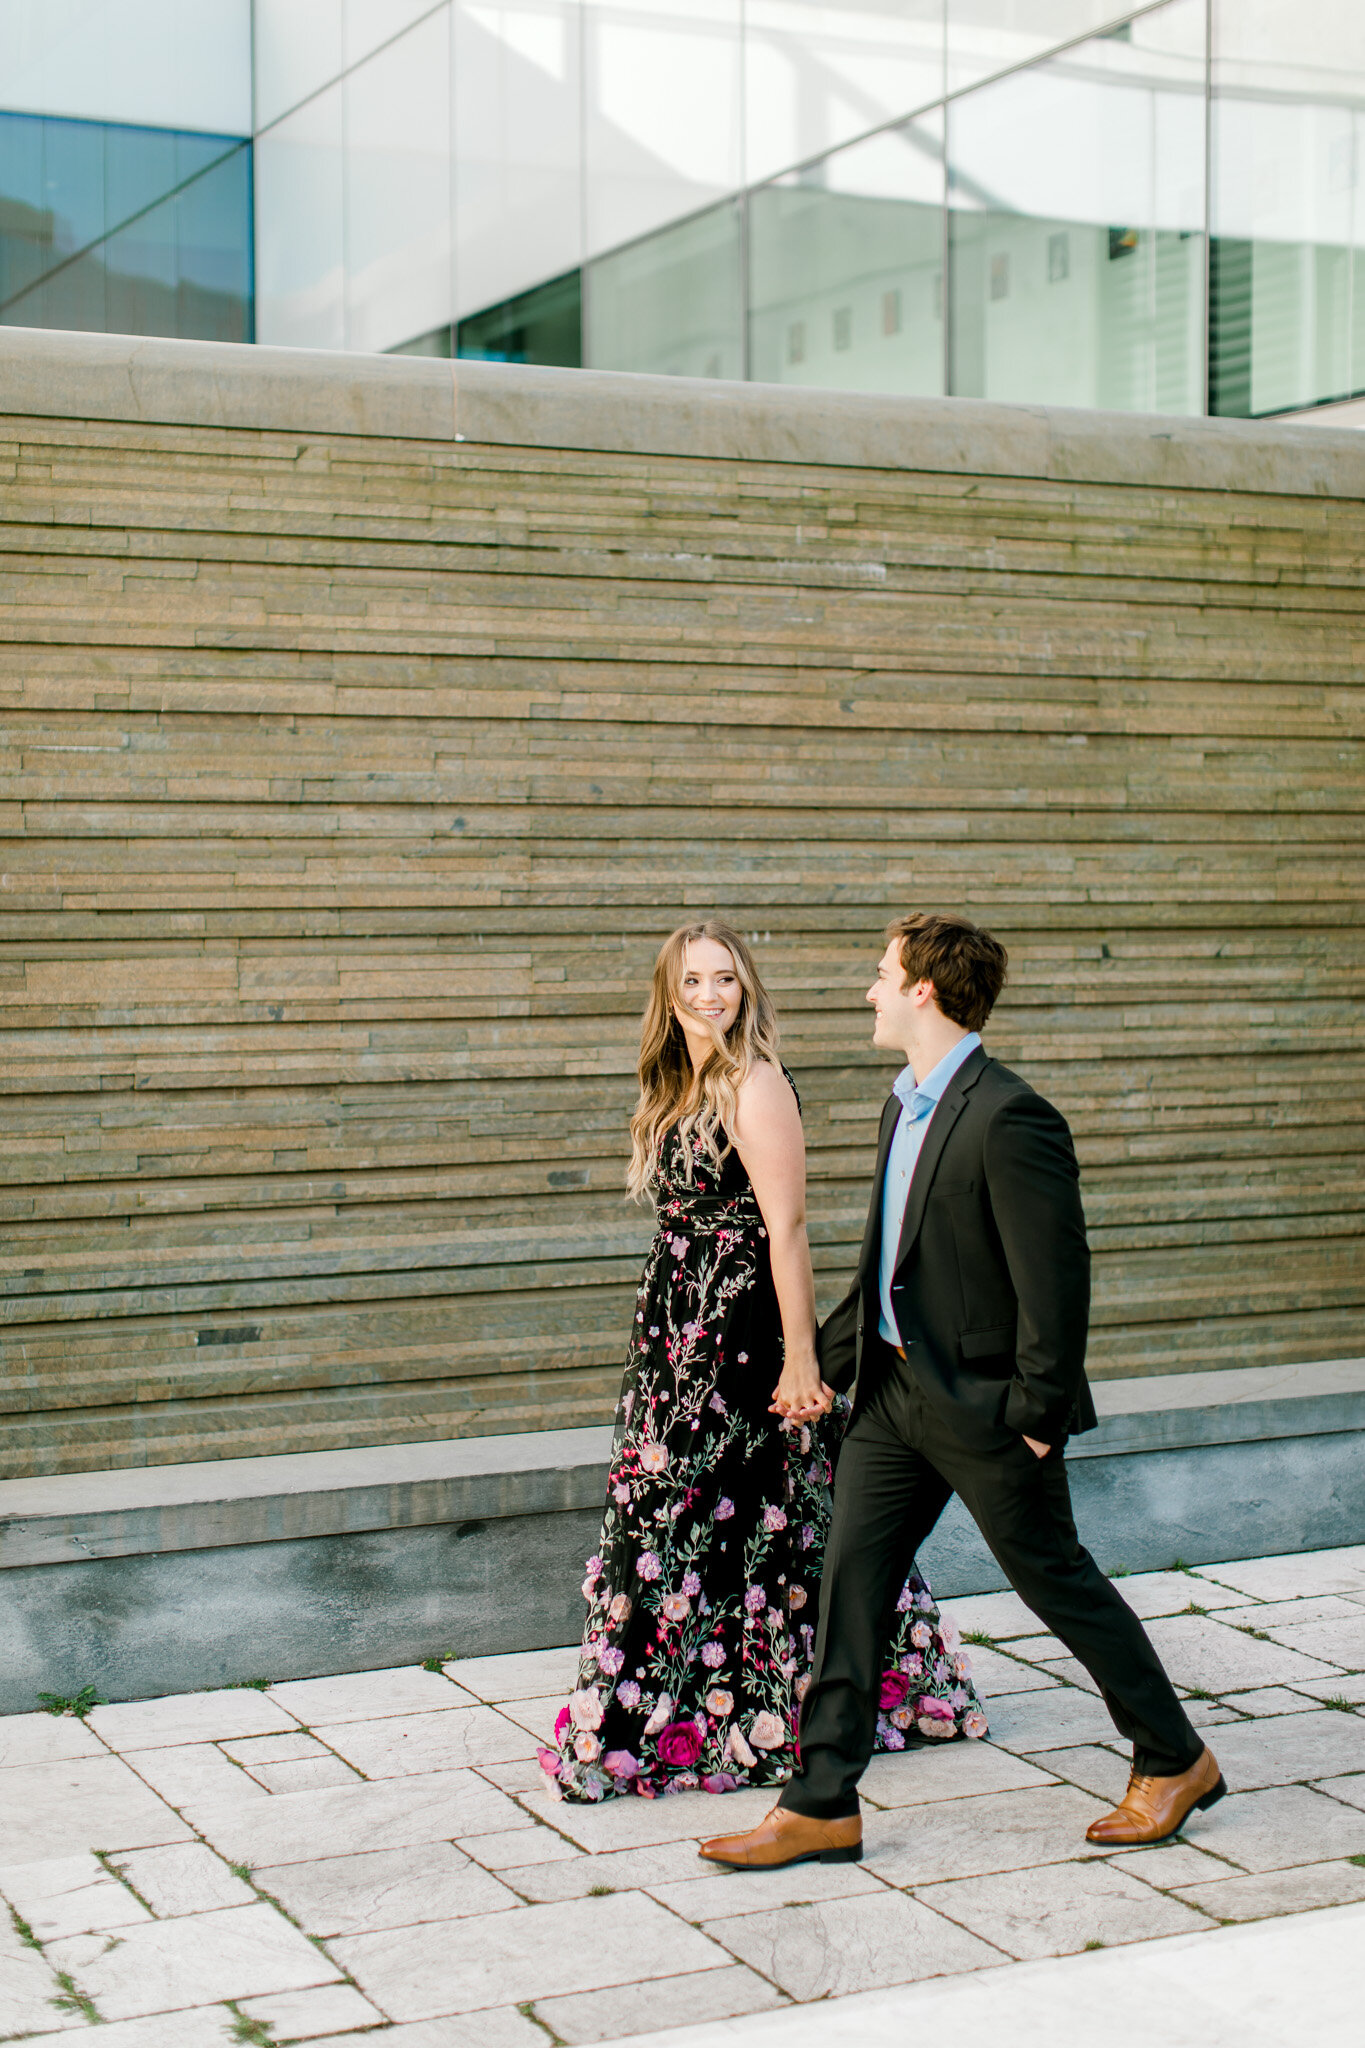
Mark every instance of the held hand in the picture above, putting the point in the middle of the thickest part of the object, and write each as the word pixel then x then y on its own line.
pixel 1038 1450
pixel 800 1396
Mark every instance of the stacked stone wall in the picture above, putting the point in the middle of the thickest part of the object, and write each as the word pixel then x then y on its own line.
pixel 353 777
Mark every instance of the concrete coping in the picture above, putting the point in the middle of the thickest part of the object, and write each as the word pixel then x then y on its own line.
pixel 57 375
pixel 152 1509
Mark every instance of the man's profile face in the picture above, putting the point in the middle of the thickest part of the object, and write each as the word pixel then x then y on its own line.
pixel 894 1005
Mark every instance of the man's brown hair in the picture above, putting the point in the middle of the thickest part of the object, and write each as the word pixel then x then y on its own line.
pixel 966 965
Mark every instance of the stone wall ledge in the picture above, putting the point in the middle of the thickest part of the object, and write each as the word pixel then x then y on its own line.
pixel 51 374
pixel 153 1510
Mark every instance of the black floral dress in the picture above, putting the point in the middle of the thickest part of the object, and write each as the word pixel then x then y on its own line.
pixel 702 1597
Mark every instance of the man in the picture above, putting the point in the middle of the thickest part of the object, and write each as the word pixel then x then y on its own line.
pixel 964 1337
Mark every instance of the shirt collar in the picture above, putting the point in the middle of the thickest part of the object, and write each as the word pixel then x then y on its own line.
pixel 935 1083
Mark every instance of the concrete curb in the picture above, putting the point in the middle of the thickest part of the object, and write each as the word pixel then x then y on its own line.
pixel 173 1578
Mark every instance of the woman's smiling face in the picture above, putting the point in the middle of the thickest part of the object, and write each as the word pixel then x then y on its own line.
pixel 709 988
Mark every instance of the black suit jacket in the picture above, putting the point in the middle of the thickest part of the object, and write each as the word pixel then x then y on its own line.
pixel 992 1281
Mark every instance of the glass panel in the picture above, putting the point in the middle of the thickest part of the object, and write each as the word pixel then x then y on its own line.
pixel 398 256
pixel 299 47
pixel 671 303
pixel 663 112
pixel 543 326
pixel 73 182
pixel 157 63
pixel 139 168
pixel 299 260
pixel 26 223
pixel 213 253
pixel 140 273
pixel 846 267
pixel 518 137
pixel 372 22
pixel 1076 192
pixel 439 343
pixel 817 74
pixel 986 36
pixel 73 296
pixel 194 153
pixel 1287 263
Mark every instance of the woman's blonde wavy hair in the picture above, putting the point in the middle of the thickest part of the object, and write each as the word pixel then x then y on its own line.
pixel 667 1082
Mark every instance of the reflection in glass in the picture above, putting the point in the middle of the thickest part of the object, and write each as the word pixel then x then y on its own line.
pixel 439 342
pixel 542 326
pixel 1076 195
pixel 213 253
pixel 1287 259
pixel 300 260
pixel 518 139
pixel 397 189
pixel 846 267
pixel 106 228
pixel 672 303
pixel 989 36
pixel 817 73
pixel 662 112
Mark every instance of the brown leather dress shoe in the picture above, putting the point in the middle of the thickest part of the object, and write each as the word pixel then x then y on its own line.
pixel 784 1837
pixel 1153 1809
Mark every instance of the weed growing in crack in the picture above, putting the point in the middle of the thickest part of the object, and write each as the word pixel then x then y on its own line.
pixel 528 2012
pixel 255 2033
pixel 80 1703
pixel 73 1999
pixel 24 1931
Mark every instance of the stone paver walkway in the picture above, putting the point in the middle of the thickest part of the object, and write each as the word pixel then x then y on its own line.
pixel 373 1857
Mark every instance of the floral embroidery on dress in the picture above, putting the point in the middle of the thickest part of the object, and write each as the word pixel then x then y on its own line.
pixel 703 1593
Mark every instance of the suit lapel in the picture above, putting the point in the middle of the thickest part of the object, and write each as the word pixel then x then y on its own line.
pixel 891 1113
pixel 931 1151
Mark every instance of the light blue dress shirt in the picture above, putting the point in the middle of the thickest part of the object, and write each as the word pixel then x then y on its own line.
pixel 918 1104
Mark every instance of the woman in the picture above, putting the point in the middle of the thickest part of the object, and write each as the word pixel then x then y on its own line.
pixel 702 1597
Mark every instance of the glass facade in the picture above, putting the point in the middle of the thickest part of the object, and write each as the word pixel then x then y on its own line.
pixel 1076 216
pixel 846 267
pixel 673 302
pixel 124 230
pixel 1073 202
pixel 1287 205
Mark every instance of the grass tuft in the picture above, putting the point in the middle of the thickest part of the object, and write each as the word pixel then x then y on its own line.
pixel 249 1685
pixel 438 1662
pixel 1094 1944
pixel 255 2033
pixel 80 1704
pixel 1197 1692
pixel 1195 1608
pixel 73 1999
pixel 24 1931
pixel 528 2012
pixel 1340 1706
pixel 979 1637
pixel 602 1891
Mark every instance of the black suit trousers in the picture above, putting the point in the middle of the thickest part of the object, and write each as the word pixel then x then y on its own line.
pixel 900 1463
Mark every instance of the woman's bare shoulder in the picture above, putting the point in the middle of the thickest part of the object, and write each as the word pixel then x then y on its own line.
pixel 766 1087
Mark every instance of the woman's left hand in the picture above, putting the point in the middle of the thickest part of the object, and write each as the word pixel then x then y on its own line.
pixel 800 1395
